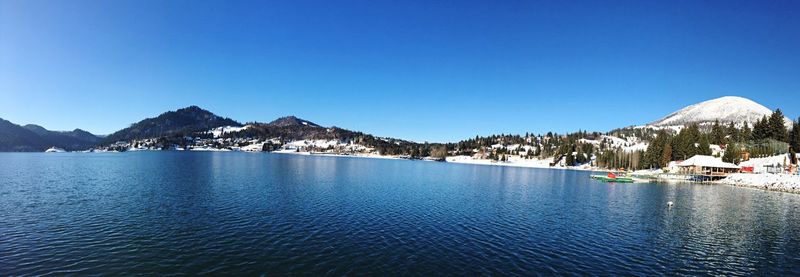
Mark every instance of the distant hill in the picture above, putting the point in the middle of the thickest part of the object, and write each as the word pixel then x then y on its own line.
pixel 291 121
pixel 291 128
pixel 70 140
pixel 35 138
pixel 15 138
pixel 725 109
pixel 183 121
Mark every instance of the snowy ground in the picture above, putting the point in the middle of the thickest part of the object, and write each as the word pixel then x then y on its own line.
pixel 363 155
pixel 209 149
pixel 775 182
pixel 513 161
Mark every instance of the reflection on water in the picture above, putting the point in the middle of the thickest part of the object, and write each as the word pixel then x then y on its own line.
pixel 241 213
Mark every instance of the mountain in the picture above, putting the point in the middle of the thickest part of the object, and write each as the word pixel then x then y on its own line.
pixel 70 140
pixel 39 130
pixel 15 138
pixel 174 123
pixel 725 109
pixel 82 135
pixel 35 138
pixel 293 128
pixel 291 121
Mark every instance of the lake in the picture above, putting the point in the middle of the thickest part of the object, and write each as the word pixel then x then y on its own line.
pixel 159 213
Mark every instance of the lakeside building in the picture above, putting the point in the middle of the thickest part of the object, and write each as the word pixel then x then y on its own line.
pixel 706 168
pixel 776 164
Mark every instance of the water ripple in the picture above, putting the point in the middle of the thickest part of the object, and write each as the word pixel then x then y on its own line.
pixel 260 214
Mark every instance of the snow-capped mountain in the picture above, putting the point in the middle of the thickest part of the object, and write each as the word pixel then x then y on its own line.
pixel 725 109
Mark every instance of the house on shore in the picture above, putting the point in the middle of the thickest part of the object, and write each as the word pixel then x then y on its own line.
pixel 706 168
pixel 773 164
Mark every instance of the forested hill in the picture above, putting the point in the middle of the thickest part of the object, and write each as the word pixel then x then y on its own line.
pixel 174 123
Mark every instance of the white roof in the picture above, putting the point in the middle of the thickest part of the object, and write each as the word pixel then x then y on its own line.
pixel 707 161
pixel 773 160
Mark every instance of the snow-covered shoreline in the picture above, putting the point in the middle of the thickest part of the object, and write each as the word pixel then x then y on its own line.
pixel 368 156
pixel 765 181
pixel 512 162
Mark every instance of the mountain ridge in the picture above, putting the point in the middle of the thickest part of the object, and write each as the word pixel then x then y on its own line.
pixel 33 137
pixel 193 120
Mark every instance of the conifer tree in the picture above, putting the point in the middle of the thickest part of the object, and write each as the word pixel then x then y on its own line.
pixel 717 133
pixel 733 133
pixel 794 139
pixel 795 135
pixel 746 134
pixel 776 126
pixel 683 145
pixel 654 155
pixel 704 147
pixel 732 154
pixel 761 129
pixel 666 156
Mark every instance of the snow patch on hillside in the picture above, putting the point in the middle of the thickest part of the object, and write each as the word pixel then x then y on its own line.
pixel 219 131
pixel 628 144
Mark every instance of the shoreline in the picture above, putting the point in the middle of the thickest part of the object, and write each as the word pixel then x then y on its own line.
pixel 523 163
pixel 769 182
pixel 334 155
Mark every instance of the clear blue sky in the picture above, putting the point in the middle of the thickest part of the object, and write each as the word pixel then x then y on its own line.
pixel 426 70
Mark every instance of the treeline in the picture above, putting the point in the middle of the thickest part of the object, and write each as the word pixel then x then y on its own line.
pixel 384 146
pixel 572 148
pixel 530 145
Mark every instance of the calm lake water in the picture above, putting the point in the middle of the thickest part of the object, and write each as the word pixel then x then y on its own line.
pixel 155 213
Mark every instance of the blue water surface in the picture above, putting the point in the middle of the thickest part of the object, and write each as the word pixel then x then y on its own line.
pixel 161 213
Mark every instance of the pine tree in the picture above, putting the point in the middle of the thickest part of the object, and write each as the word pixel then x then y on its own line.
pixel 795 135
pixel 683 145
pixel 717 133
pixel 746 133
pixel 732 154
pixel 794 138
pixel 733 133
pixel 678 147
pixel 704 147
pixel 776 126
pixel 654 155
pixel 666 156
pixel 761 129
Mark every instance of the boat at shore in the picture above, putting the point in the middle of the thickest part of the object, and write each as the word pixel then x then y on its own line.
pixel 612 178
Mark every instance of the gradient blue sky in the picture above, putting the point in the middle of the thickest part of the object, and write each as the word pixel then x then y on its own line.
pixel 427 70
